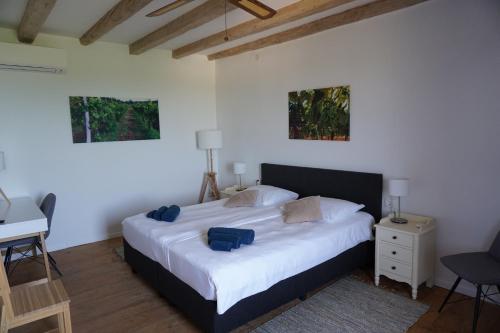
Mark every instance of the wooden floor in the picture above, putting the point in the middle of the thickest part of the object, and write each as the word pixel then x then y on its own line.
pixel 107 297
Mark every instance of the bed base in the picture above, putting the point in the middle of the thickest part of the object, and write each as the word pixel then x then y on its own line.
pixel 203 312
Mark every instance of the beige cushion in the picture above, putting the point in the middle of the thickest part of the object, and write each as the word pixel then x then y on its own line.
pixel 246 198
pixel 303 210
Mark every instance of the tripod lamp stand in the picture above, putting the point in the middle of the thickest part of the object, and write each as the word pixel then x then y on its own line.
pixel 209 140
pixel 2 167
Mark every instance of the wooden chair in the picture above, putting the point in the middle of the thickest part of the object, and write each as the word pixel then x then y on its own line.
pixel 33 301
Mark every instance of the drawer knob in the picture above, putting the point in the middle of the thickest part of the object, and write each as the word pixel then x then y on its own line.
pixel 393 267
pixel 394 237
pixel 394 252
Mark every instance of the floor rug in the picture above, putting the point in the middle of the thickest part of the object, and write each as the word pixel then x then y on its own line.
pixel 348 306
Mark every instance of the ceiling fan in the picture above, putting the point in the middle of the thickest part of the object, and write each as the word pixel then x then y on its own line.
pixel 254 7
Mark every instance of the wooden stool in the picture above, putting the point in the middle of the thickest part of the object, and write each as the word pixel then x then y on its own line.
pixel 33 301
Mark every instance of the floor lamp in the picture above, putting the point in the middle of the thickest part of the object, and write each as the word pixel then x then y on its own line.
pixel 2 167
pixel 209 140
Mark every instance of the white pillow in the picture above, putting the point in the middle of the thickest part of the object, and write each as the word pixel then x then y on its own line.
pixel 271 195
pixel 334 210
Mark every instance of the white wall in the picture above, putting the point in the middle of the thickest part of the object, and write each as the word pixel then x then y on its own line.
pixel 425 93
pixel 99 184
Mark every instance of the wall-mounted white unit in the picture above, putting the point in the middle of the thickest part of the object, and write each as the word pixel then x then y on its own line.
pixel 28 58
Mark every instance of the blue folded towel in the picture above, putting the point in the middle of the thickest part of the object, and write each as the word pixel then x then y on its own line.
pixel 220 245
pixel 171 213
pixel 218 236
pixel 157 214
pixel 247 235
pixel 164 213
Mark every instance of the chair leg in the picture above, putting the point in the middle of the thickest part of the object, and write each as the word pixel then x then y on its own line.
pixel 54 264
pixel 52 261
pixel 476 307
pixel 51 258
pixel 7 259
pixel 67 319
pixel 33 251
pixel 452 290
pixel 3 327
pixel 6 256
pixel 60 322
pixel 3 320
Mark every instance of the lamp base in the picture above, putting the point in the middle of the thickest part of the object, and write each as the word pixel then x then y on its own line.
pixel 399 220
pixel 209 182
pixel 2 193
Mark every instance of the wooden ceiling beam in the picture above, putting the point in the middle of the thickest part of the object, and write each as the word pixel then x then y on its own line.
pixel 168 8
pixel 35 15
pixel 115 16
pixel 202 14
pixel 369 10
pixel 293 12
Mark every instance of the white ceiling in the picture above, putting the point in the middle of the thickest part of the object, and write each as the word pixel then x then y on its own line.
pixel 73 17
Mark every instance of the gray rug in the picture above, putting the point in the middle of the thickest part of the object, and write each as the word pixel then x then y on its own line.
pixel 348 306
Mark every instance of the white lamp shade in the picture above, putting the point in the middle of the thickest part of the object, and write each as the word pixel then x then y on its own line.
pixel 2 161
pixel 398 187
pixel 239 168
pixel 209 139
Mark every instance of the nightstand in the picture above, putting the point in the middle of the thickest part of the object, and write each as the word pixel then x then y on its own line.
pixel 230 191
pixel 406 252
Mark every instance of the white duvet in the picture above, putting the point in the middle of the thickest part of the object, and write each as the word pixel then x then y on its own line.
pixel 279 251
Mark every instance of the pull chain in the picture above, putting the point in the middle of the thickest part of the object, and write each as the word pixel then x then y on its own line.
pixel 226 37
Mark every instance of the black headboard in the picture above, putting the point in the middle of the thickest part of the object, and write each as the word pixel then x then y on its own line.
pixel 359 187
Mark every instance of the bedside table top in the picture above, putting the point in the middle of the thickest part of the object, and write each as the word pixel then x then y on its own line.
pixel 231 190
pixel 416 224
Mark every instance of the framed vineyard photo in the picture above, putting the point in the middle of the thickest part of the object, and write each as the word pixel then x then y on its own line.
pixel 102 119
pixel 319 114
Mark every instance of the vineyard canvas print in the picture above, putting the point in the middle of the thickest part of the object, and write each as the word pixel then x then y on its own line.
pixel 101 119
pixel 319 114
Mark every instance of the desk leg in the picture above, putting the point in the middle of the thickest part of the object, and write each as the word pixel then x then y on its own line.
pixel 45 257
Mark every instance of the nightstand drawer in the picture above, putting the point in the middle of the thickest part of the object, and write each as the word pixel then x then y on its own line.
pixel 397 252
pixel 395 267
pixel 395 237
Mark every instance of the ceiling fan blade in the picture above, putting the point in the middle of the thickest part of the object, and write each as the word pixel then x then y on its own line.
pixel 168 8
pixel 255 7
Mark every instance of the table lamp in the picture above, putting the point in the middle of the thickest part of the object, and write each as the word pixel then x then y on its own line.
pixel 2 167
pixel 239 169
pixel 398 188
pixel 209 140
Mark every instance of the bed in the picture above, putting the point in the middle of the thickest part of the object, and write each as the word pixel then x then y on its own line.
pixel 174 259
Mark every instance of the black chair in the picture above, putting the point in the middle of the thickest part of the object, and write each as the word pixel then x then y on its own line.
pixel 47 207
pixel 479 268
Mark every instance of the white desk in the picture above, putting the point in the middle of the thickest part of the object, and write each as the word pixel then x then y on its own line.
pixel 24 219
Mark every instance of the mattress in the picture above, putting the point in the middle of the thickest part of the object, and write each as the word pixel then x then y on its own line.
pixel 279 251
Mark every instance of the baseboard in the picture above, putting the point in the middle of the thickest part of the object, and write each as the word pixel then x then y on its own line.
pixel 16 256
pixel 114 234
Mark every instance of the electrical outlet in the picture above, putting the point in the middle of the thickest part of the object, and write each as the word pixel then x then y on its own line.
pixel 388 203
